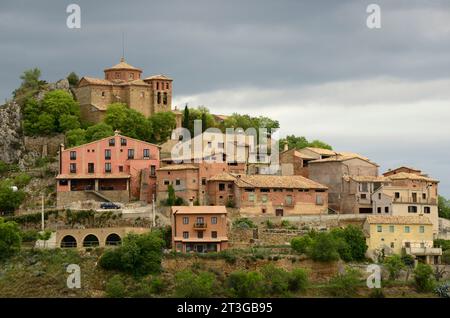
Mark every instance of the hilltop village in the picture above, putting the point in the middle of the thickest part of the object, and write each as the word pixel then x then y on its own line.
pixel 211 201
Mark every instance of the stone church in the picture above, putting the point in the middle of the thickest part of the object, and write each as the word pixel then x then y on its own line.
pixel 123 84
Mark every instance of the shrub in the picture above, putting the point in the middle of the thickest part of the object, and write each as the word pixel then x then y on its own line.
pixel 324 248
pixel 443 290
pixel 423 278
pixel 115 288
pixel 10 200
pixel 243 223
pixel 377 293
pixel 344 285
pixel 22 180
pixel 298 280
pixel 277 279
pixel 351 243
pixel 243 284
pixel 10 239
pixel 270 224
pixel 190 285
pixel 228 256
pixel 29 236
pixel 446 257
pixel 157 285
pixel 139 254
pixel 444 244
pixel 394 265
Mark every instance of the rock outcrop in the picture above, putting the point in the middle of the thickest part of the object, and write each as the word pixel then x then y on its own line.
pixel 11 136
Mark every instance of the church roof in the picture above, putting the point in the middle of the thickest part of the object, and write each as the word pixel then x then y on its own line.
pixel 123 66
pixel 158 77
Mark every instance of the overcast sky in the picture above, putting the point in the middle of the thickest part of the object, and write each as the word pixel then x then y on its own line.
pixel 312 65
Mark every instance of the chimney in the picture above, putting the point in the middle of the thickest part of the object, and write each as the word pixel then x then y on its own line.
pixel 286 147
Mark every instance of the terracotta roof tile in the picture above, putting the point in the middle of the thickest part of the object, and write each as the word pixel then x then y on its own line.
pixel 389 219
pixel 178 167
pixel 201 209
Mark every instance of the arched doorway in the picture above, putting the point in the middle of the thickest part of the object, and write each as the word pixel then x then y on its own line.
pixel 68 241
pixel 90 241
pixel 113 239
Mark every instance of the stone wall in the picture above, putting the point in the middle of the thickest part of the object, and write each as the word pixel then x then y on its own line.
pixel 44 146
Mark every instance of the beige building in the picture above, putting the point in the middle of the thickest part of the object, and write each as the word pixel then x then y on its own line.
pixel 413 235
pixel 408 194
pixel 123 84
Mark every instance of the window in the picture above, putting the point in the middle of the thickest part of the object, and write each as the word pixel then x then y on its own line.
pixel 103 94
pixel 203 181
pixel 200 234
pixel 185 220
pixel 123 142
pixel 392 245
pixel 379 228
pixel 407 229
pixel 108 167
pixel 214 220
pixel 386 209
pixel 289 200
pixel 167 85
pixel 265 190
pixel 107 154
pixel 264 198
pixel 412 209
pixel 364 187
pixel 414 197
pixel 319 199
pixel 177 182
pixel 200 220
pixel 73 155
pixel 165 98
pixel 185 235
pixel 130 153
pixel 391 228
pixel 251 197
pixel 166 182
pixel 112 142
pixel 131 76
pixel 152 170
pixel 379 196
pixel 157 85
pixel 427 210
pixel 379 210
pixel 142 94
pixel 120 168
pixel 73 168
pixel 63 182
pixel 421 229
pixel 397 195
pixel 220 145
pixel 158 98
pixel 263 210
pixel 90 167
pixel 214 234
pixel 117 75
pixel 424 196
pixel 146 153
pixel 363 196
pixel 221 186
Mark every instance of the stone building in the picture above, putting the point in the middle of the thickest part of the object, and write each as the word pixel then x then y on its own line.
pixel 268 194
pixel 413 235
pixel 199 229
pixel 116 168
pixel 123 84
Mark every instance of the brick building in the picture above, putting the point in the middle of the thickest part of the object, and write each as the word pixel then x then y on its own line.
pixel 268 194
pixel 116 168
pixel 199 228
pixel 123 84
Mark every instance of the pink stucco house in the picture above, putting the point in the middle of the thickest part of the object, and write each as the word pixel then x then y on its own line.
pixel 116 168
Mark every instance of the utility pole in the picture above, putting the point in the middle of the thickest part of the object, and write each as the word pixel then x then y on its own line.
pixel 42 214
pixel 153 211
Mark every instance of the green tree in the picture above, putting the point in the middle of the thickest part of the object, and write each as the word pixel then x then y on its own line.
pixel 75 137
pixel 243 284
pixel 423 278
pixel 298 280
pixel 301 244
pixel 128 121
pixel 22 180
pixel 186 117
pixel 10 239
pixel 394 264
pixel 73 79
pixel 191 285
pixel 276 279
pixel 443 208
pixel 345 284
pixel 45 124
pixel 69 122
pixel 99 131
pixel 31 83
pixel 162 124
pixel 10 200
pixel 170 195
pixel 351 243
pixel 115 287
pixel 324 248
pixel 300 142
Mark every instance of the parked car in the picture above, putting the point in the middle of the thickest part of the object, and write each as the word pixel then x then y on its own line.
pixel 109 205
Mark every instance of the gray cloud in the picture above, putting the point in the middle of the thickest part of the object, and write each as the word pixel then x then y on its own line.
pixel 314 60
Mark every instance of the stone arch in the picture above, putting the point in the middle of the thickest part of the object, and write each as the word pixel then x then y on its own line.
pixel 91 240
pixel 113 239
pixel 68 241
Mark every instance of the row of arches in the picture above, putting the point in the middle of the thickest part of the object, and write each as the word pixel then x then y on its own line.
pixel 90 240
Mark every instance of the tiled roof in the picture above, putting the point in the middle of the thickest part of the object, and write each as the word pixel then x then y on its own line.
pixel 178 167
pixel 224 176
pixel 367 178
pixel 322 151
pixel 123 66
pixel 96 81
pixel 410 176
pixel 201 209
pixel 389 219
pixel 158 77
pixel 345 157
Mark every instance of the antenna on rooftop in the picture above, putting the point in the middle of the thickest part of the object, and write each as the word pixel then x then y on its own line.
pixel 123 45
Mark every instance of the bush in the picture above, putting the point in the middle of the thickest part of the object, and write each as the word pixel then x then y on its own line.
pixel 443 290
pixel 444 244
pixel 446 257
pixel 10 239
pixel 324 248
pixel 157 285
pixel 190 285
pixel 394 264
pixel 139 254
pixel 29 236
pixel 228 256
pixel 301 244
pixel 22 180
pixel 10 200
pixel 270 224
pixel 377 293
pixel 243 223
pixel 351 243
pixel 115 288
pixel 276 279
pixel 344 285
pixel 243 284
pixel 298 280
pixel 423 278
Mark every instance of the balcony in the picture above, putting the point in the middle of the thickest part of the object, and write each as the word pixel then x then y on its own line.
pixel 200 226
pixel 433 251
pixel 411 200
